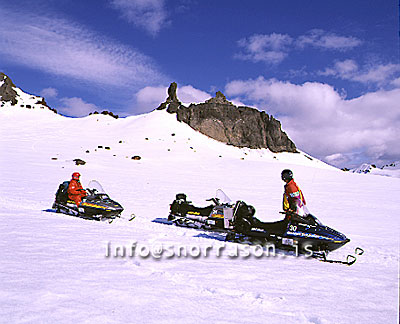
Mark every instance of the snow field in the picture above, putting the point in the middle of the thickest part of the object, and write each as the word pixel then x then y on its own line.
pixel 54 267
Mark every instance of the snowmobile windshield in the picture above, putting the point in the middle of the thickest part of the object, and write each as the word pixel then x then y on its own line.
pixel 310 216
pixel 222 197
pixel 96 187
pixel 315 219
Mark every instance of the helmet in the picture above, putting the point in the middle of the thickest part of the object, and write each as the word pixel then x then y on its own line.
pixel 76 175
pixel 287 175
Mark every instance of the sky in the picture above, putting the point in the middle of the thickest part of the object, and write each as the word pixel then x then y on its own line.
pixel 328 70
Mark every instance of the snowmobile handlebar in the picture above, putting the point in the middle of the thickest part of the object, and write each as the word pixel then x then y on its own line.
pixel 214 200
pixel 288 212
pixel 90 191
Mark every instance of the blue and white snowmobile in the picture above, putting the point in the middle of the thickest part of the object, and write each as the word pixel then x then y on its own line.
pixel 305 234
pixel 97 205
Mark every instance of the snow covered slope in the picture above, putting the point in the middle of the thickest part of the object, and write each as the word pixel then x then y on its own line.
pixel 19 98
pixel 54 267
pixel 391 170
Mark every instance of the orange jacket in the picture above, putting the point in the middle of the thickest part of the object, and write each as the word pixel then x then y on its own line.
pixel 75 191
pixel 293 197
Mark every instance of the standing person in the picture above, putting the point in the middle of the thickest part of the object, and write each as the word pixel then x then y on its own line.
pixel 75 190
pixel 293 199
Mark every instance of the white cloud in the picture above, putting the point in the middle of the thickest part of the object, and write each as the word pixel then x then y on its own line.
pixel 151 15
pixel 396 82
pixel 49 93
pixel 321 39
pixel 349 70
pixel 187 94
pixel 346 67
pixel 324 123
pixel 150 98
pixel 62 48
pixel 337 159
pixel 378 73
pixel 270 49
pixel 274 48
pixel 76 107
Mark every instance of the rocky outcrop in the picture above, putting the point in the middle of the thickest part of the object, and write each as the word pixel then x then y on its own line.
pixel 172 103
pixel 240 126
pixel 105 112
pixel 7 92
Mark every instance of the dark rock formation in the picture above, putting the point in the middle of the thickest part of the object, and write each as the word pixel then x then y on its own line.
pixel 172 103
pixel 44 103
pixel 241 126
pixel 105 112
pixel 109 113
pixel 7 92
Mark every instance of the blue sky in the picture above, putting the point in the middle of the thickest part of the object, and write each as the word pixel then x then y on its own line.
pixel 329 70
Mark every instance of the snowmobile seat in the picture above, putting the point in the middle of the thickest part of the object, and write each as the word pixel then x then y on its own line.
pixel 308 219
pixel 278 227
pixel 186 208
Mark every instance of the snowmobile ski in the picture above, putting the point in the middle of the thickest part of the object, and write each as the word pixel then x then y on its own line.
pixel 350 259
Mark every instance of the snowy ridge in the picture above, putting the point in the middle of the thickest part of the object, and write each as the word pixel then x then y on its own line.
pixel 151 134
pixel 363 168
pixel 54 267
pixel 390 170
pixel 392 166
pixel 24 100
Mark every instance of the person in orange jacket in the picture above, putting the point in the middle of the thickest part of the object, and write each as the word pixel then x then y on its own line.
pixel 293 199
pixel 75 190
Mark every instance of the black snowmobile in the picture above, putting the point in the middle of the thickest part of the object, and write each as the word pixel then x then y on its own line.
pixel 306 234
pixel 97 205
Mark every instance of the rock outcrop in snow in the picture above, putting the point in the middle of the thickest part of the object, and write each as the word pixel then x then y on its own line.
pixel 221 120
pixel 364 168
pixel 171 103
pixel 7 92
pixel 392 166
pixel 390 170
pixel 11 95
pixel 105 112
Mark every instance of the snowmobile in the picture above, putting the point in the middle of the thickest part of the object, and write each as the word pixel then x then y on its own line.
pixel 306 234
pixel 97 205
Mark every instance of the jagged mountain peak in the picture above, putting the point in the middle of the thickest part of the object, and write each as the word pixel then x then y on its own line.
pixel 6 79
pixel 12 96
pixel 221 120
pixel 7 89
pixel 219 99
